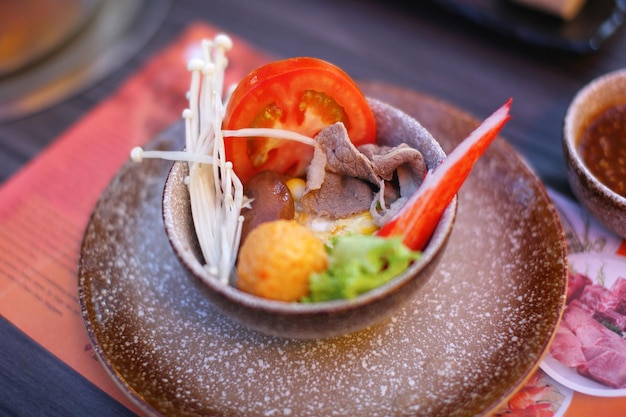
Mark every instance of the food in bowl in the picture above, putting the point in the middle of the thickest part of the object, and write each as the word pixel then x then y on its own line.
pixel 602 147
pixel 305 122
pixel 318 319
pixel 594 147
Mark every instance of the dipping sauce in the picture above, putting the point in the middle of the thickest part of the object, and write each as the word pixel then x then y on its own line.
pixel 602 148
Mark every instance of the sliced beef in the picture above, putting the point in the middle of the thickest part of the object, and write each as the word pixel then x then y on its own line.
pixel 578 318
pixel 604 351
pixel 576 285
pixel 606 363
pixel 598 298
pixel 342 156
pixel 405 162
pixel 386 159
pixel 394 171
pixel 339 196
pixel 566 348
pixel 612 318
pixel 583 341
pixel 619 292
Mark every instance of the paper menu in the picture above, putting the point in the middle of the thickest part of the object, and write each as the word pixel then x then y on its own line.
pixel 46 206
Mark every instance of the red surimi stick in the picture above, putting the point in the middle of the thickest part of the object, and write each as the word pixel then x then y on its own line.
pixel 417 219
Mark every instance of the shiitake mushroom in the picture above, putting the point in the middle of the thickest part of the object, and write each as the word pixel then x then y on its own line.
pixel 271 200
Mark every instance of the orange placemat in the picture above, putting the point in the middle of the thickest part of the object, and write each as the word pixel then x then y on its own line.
pixel 46 206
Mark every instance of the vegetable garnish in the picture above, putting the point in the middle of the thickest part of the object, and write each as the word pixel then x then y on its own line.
pixel 300 95
pixel 215 191
pixel 348 275
pixel 417 219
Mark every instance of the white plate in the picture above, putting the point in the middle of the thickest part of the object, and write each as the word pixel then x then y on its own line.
pixel 596 267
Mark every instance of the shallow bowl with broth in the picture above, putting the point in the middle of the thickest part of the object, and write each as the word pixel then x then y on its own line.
pixel 597 192
pixel 323 319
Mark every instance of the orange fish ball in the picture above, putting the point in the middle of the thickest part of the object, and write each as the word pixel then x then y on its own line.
pixel 277 258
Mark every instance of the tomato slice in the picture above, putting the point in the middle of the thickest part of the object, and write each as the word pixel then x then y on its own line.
pixel 303 95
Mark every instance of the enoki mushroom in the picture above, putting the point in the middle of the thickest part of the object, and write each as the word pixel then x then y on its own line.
pixel 215 191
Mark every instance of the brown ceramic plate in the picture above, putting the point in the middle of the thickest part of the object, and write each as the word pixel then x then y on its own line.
pixel 472 335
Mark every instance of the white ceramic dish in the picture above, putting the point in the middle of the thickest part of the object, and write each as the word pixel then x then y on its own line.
pixel 598 267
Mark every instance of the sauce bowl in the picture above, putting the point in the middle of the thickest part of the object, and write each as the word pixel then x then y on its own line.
pixel 322 319
pixel 589 103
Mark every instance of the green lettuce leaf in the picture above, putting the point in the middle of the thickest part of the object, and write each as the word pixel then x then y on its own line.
pixel 357 264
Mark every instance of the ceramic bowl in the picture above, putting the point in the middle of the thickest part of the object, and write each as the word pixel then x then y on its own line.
pixel 31 30
pixel 323 319
pixel 604 204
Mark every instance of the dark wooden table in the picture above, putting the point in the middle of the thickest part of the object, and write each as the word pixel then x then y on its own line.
pixel 420 47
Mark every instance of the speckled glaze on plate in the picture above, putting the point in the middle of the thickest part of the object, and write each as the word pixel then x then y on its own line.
pixel 473 334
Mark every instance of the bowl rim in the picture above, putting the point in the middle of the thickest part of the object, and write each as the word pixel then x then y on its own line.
pixel 436 244
pixel 570 133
